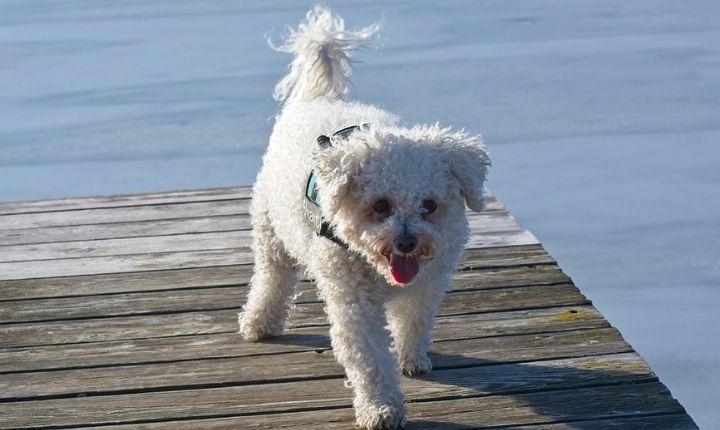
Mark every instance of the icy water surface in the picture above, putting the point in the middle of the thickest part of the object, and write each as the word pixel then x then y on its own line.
pixel 603 119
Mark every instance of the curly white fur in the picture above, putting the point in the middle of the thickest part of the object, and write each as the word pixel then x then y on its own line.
pixel 321 46
pixel 381 293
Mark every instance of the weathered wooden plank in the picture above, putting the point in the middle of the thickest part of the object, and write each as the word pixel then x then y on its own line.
pixel 223 341
pixel 68 286
pixel 490 223
pixel 177 260
pixel 469 302
pixel 494 410
pixel 488 230
pixel 299 366
pixel 120 328
pixel 93 305
pixel 486 380
pixel 513 238
pixel 185 259
pixel 304 314
pixel 564 405
pixel 217 297
pixel 144 199
pixel 122 200
pixel 125 263
pixel 163 242
pixel 665 421
pixel 504 256
pixel 509 276
pixel 126 246
pixel 71 233
pixel 144 212
pixel 83 285
pixel 55 234
pixel 122 304
pixel 124 214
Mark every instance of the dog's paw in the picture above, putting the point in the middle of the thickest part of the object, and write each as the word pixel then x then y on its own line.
pixel 417 365
pixel 382 417
pixel 254 330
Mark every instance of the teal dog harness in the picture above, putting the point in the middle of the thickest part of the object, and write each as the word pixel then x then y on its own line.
pixel 322 227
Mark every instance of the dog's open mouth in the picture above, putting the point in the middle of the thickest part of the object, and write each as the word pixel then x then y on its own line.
pixel 403 268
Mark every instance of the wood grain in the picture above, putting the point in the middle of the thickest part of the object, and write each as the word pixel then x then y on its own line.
pixel 123 230
pixel 483 225
pixel 123 214
pixel 577 403
pixel 141 254
pixel 146 324
pixel 146 199
pixel 221 340
pixel 79 285
pixel 482 381
pixel 299 366
pixel 212 296
pixel 122 200
pixel 121 312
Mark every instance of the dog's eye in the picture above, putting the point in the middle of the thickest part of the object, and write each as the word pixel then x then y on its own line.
pixel 381 206
pixel 429 205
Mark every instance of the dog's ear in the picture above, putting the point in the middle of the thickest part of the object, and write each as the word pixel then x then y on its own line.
pixel 469 162
pixel 335 166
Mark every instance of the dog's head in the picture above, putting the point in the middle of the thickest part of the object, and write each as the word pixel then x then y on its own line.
pixel 397 196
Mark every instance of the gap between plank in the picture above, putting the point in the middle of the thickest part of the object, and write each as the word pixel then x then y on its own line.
pixel 259 354
pixel 340 375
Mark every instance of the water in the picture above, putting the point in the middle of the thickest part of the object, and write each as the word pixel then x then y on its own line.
pixel 602 119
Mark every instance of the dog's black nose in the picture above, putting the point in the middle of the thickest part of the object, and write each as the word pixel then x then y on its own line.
pixel 406 242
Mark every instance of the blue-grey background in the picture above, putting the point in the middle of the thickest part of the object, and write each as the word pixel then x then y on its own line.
pixel 603 120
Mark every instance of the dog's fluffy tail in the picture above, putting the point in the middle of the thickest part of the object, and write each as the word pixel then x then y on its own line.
pixel 322 47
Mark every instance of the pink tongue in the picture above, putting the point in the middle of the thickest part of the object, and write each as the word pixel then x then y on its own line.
pixel 403 269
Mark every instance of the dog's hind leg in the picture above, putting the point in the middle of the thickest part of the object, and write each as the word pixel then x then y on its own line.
pixel 272 284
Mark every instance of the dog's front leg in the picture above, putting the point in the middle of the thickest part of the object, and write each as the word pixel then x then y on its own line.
pixel 361 345
pixel 411 314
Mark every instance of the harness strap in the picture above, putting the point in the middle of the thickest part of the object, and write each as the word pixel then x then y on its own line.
pixel 322 227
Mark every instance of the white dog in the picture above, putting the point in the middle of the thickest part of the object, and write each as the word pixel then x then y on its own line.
pixel 375 213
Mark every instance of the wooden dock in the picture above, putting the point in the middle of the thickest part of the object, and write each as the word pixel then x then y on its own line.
pixel 121 313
